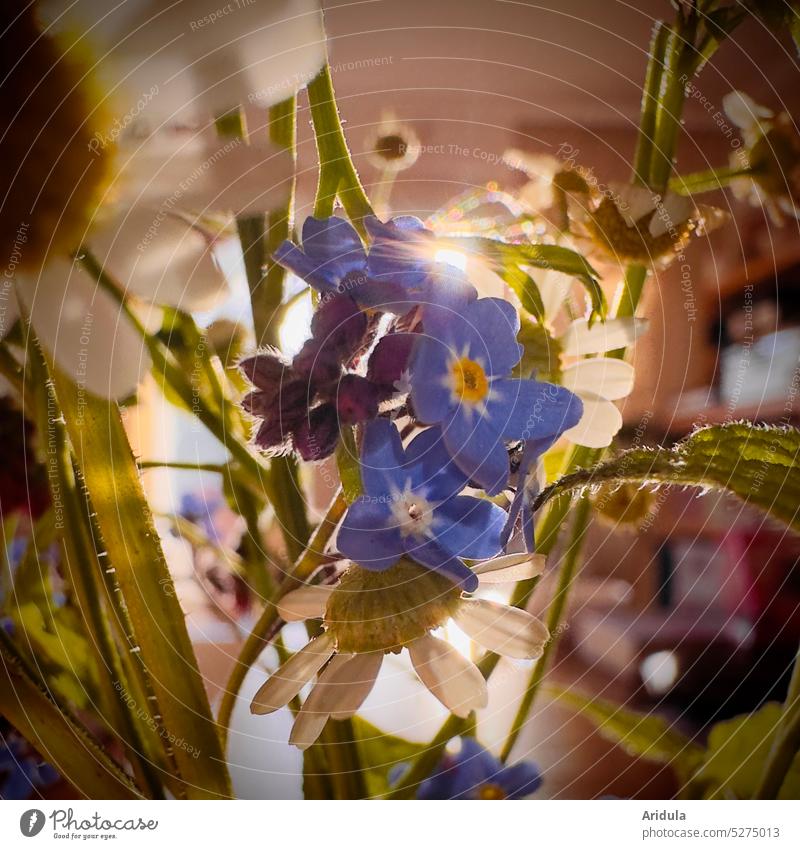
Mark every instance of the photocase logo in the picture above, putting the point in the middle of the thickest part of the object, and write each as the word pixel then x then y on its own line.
pixel 31 822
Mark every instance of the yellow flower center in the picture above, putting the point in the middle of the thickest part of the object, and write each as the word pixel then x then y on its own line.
pixel 54 143
pixel 634 244
pixel 469 380
pixel 491 791
pixel 384 611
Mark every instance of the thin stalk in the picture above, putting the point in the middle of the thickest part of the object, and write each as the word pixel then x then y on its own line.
pixel 257 641
pixel 555 613
pixel 709 180
pixel 650 102
pixel 786 744
pixel 337 173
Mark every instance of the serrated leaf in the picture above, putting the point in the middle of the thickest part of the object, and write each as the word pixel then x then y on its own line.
pixel 56 734
pixel 103 454
pixel 381 754
pixel 640 735
pixel 760 464
pixel 736 754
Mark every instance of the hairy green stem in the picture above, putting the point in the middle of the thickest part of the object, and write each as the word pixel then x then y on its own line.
pixel 337 173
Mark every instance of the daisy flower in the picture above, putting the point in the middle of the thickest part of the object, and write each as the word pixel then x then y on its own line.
pixel 367 614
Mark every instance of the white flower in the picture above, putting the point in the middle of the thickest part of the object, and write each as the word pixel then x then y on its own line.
pixel 772 153
pixel 150 234
pixel 347 656
pixel 598 381
pixel 192 60
pixel 144 206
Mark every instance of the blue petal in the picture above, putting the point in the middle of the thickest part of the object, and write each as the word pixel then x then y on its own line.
pixel 461 776
pixel 519 780
pixel 469 527
pixel 403 263
pixel 476 445
pixel 433 472
pixel 430 555
pixel 291 257
pixel 382 459
pixel 491 326
pixel 402 227
pixel 429 366
pixel 367 535
pixel 529 409
pixel 333 244
pixel 449 297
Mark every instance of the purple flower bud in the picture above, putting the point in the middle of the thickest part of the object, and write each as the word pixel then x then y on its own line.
pixel 264 370
pixel 340 325
pixel 357 399
pixel 316 436
pixel 389 360
pixel 319 363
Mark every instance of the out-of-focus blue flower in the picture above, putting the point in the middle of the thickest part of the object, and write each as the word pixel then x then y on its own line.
pixel 333 260
pixel 474 773
pixel 411 507
pixel 21 770
pixel 460 380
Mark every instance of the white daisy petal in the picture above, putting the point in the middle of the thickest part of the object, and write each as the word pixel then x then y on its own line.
pixel 743 110
pixel 304 603
pixel 633 201
pixel 509 567
pixel 84 329
pixel 580 339
pixel 354 683
pixel 601 376
pixel 160 258
pixel 671 215
pixel 284 684
pixel 502 629
pixel 315 712
pixel 454 680
pixel 599 424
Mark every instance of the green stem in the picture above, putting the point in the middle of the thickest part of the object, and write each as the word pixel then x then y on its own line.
pixel 337 173
pixel 709 180
pixel 786 744
pixel 650 102
pixel 311 558
pixel 555 613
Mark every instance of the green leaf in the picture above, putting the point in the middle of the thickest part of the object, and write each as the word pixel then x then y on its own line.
pixel 546 257
pixel 758 463
pixel 541 354
pixel 102 451
pixel 380 753
pixel 737 751
pixel 640 735
pixel 55 733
